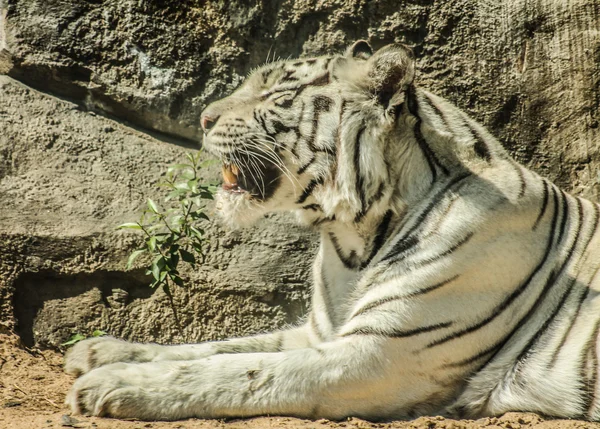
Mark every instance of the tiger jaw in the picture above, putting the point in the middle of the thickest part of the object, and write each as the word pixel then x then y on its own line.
pixel 256 181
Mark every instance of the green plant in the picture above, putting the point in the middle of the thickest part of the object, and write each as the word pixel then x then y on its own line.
pixel 172 233
pixel 74 339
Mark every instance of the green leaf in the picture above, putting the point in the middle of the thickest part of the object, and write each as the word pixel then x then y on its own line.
pixel 177 280
pixel 73 340
pixel 188 174
pixel 182 186
pixel 133 257
pixel 173 261
pixel 199 215
pixel 176 221
pixel 98 333
pixel 130 225
pixel 156 269
pixel 175 167
pixel 151 243
pixel 152 206
pixel 197 232
pixel 160 261
pixel 209 163
pixel 187 256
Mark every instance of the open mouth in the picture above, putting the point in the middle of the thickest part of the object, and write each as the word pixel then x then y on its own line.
pixel 256 179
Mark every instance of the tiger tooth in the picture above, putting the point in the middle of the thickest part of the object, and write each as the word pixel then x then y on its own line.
pixel 228 175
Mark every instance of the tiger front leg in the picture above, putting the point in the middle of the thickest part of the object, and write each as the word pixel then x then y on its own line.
pixel 96 352
pixel 327 381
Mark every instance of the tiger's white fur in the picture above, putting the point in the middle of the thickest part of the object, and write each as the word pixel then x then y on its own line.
pixel 449 278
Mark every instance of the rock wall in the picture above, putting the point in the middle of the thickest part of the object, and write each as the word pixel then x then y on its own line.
pixel 133 76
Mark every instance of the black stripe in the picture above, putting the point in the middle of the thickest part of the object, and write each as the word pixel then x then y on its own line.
pixel 398 334
pixel 322 220
pixel 303 168
pixel 378 195
pixel 580 302
pixel 480 147
pixel 430 156
pixel 358 181
pixel 322 103
pixel 351 261
pixel 309 189
pixel 445 253
pixel 388 299
pixel 439 112
pixel 313 207
pixel 442 217
pixel 319 81
pixel 564 215
pixel 260 120
pixel 380 237
pixel 401 246
pixel 299 135
pixel 409 241
pixel 544 206
pixel 375 198
pixel 536 337
pixel 515 294
pixel 280 127
pixel 472 359
pixel 285 104
pixel 266 74
pixel 288 77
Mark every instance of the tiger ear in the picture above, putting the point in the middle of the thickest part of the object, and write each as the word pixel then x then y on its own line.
pixel 390 71
pixel 360 50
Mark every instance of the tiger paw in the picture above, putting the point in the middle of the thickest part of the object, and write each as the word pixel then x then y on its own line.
pixel 124 390
pixel 97 393
pixel 96 352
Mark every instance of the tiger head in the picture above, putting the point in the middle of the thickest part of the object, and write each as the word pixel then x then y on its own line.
pixel 316 136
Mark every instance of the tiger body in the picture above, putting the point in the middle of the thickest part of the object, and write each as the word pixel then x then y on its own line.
pixel 449 278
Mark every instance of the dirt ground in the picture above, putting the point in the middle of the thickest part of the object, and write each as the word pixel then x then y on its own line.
pixel 33 388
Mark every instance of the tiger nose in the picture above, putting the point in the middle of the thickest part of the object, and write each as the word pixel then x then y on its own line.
pixel 207 121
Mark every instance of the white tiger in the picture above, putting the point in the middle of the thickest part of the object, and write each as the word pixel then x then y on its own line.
pixel 449 278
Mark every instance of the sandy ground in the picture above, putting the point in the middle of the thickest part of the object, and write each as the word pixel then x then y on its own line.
pixel 33 388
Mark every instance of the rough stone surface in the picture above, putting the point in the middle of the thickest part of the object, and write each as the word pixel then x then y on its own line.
pixel 529 70
pixel 64 190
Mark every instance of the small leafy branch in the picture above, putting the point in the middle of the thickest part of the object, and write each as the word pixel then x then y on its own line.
pixel 172 233
pixel 74 339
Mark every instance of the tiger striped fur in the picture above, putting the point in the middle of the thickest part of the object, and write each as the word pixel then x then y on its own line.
pixel 449 279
